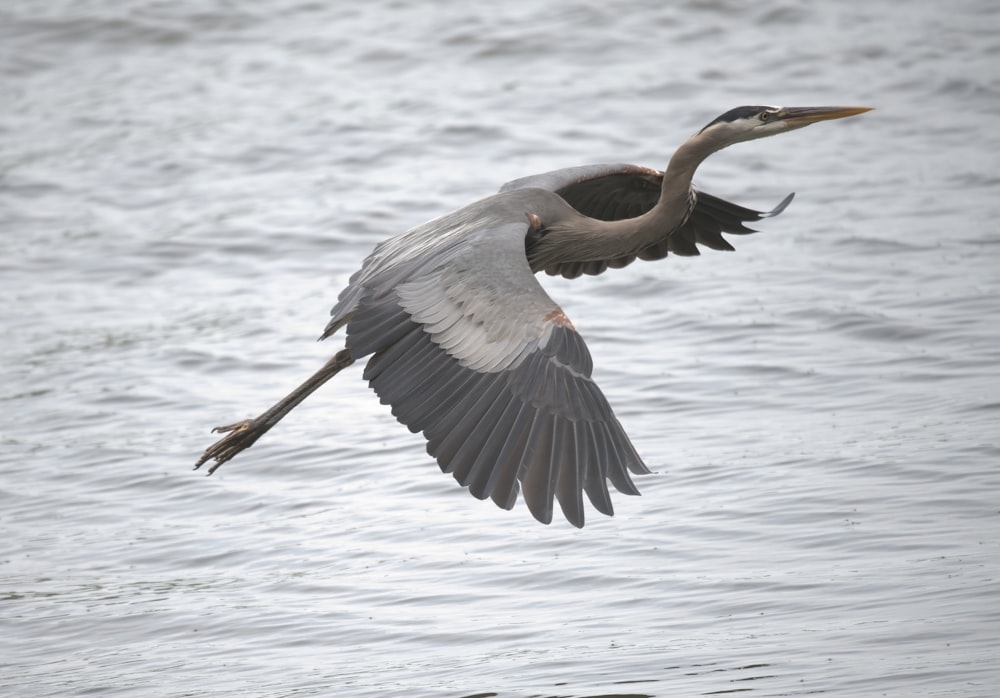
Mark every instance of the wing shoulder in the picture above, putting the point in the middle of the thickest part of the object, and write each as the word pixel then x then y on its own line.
pixel 607 192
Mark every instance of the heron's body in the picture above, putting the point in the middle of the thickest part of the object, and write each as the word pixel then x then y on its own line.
pixel 467 347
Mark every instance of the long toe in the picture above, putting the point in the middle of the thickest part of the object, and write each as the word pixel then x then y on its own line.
pixel 238 426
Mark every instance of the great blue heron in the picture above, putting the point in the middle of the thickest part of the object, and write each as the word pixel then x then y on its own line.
pixel 468 348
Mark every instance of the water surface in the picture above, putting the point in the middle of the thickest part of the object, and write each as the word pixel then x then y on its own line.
pixel 186 186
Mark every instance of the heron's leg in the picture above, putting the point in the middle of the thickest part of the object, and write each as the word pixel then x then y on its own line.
pixel 243 434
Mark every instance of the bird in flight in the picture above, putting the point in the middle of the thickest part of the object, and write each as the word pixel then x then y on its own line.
pixel 467 347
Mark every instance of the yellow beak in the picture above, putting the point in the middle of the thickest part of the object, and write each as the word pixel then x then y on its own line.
pixel 803 116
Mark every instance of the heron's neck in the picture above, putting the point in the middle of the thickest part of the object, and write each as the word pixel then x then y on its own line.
pixel 672 208
pixel 680 171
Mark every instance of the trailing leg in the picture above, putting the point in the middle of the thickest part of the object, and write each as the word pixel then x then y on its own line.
pixel 242 435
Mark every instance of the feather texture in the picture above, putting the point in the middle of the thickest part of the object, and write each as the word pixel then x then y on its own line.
pixel 474 354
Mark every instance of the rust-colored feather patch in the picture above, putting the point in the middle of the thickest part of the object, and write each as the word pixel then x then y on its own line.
pixel 558 318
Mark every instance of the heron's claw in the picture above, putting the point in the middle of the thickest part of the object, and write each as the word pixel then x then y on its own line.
pixel 238 437
pixel 239 426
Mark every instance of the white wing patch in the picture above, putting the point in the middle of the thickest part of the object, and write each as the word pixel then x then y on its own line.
pixel 484 307
pixel 482 335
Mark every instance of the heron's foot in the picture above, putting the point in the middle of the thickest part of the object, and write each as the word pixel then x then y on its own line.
pixel 239 436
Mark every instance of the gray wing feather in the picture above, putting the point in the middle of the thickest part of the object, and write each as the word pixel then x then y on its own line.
pixel 473 353
pixel 559 437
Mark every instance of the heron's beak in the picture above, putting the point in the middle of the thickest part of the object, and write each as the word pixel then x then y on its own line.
pixel 797 117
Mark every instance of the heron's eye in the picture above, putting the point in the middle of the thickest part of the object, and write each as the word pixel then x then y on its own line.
pixel 765 115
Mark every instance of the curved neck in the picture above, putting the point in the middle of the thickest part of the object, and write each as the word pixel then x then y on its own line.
pixel 672 208
pixel 680 171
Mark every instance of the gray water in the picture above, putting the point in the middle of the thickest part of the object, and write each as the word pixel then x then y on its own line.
pixel 185 187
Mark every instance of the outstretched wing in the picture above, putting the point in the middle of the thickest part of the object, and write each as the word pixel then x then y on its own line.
pixel 472 352
pixel 621 191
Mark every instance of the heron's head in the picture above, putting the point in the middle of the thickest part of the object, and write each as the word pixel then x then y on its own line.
pixel 747 123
